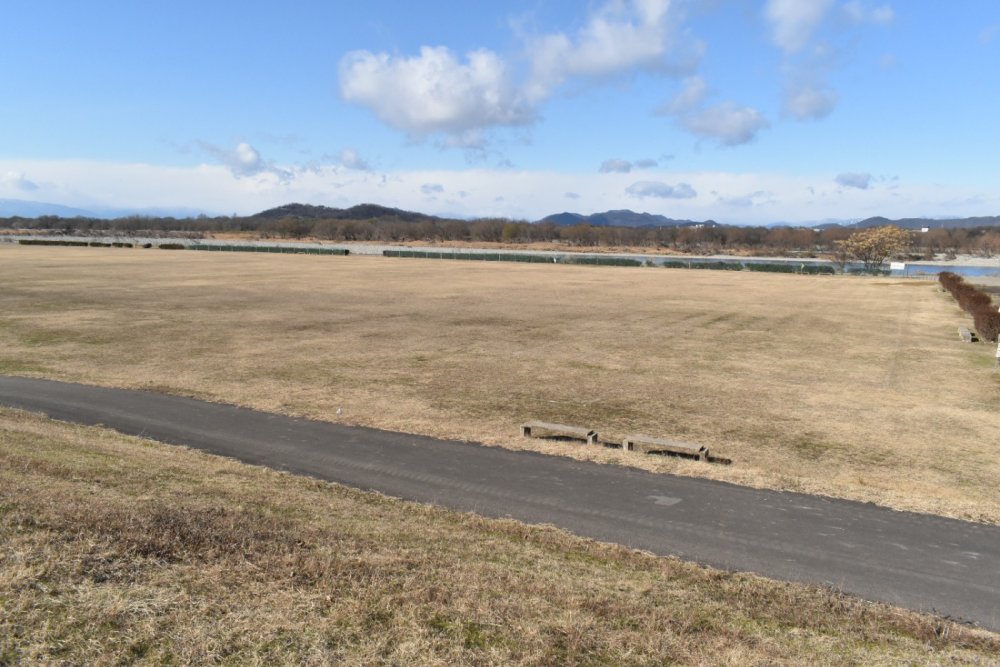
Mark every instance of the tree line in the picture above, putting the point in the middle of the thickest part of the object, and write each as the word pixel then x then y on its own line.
pixel 698 239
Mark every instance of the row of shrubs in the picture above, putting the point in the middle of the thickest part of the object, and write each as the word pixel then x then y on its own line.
pixel 976 302
pixel 265 248
pixel 472 256
pixel 92 244
pixel 604 261
pixel 181 246
pixel 775 267
pixel 813 269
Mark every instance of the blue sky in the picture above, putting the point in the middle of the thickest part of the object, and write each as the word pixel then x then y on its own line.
pixel 737 110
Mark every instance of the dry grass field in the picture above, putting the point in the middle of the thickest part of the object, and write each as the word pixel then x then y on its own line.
pixel 845 386
pixel 116 550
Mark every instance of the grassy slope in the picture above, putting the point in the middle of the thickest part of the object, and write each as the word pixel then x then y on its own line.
pixel 851 387
pixel 115 549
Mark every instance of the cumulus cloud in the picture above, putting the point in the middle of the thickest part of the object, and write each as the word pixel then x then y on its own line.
pixel 245 160
pixel 691 96
pixel 614 166
pixel 808 102
pixel 432 188
pixel 857 12
pixel 793 21
pixel 18 181
pixel 793 24
pixel 854 180
pixel 660 190
pixel 434 91
pixel 350 159
pixel 728 123
pixel 619 36
pixel 438 92
pixel 744 201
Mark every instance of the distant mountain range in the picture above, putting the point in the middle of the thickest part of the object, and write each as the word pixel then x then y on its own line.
pixel 621 218
pixel 10 208
pixel 359 212
pixel 931 223
pixel 20 208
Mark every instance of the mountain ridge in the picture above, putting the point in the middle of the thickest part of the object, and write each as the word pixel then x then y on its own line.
pixel 14 208
pixel 620 218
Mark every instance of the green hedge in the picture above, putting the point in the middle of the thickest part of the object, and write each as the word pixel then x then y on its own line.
pixel 48 242
pixel 273 248
pixel 813 269
pixel 511 257
pixel 606 261
pixel 818 270
pixel 863 272
pixel 772 268
pixel 717 266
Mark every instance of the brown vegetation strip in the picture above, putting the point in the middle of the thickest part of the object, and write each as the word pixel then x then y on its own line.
pixel 114 549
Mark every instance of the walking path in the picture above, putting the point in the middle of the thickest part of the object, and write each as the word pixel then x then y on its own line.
pixel 922 562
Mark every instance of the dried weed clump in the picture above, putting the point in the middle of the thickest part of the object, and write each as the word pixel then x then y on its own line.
pixel 118 550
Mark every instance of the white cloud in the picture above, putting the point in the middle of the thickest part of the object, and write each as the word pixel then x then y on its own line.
pixel 691 96
pixel 793 21
pixel 857 12
pixel 728 123
pixel 434 92
pixel 18 181
pixel 746 201
pixel 615 166
pixel 350 159
pixel 531 195
pixel 883 14
pixel 805 101
pixel 572 195
pixel 854 180
pixel 244 160
pixel 432 188
pixel 619 36
pixel 660 190
pixel 740 201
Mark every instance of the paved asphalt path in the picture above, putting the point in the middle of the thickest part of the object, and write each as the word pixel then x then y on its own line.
pixel 922 562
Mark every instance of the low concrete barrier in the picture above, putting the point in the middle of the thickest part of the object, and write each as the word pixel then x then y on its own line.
pixel 649 445
pixel 529 429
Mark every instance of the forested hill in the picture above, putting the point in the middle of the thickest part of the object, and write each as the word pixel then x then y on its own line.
pixel 621 218
pixel 359 212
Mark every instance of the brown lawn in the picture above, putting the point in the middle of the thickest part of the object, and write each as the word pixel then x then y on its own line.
pixel 115 550
pixel 846 386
